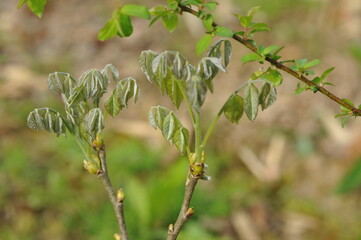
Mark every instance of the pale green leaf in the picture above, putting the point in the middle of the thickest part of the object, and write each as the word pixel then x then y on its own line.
pixel 170 21
pixel 136 11
pixel 224 32
pixel 203 43
pixel 251 102
pixel 233 108
pixel 124 25
pixel 250 57
pixel 108 31
pixel 36 6
pixel 311 64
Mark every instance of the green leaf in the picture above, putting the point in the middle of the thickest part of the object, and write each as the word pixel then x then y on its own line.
pixel 272 97
pixel 208 22
pixel 47 119
pixel 245 21
pixel 170 21
pixel 36 6
pixel 136 11
pixel 253 11
pixel 251 102
pixel 173 90
pixel 211 5
pixel 233 108
pixel 124 25
pixel 250 57
pixel 224 32
pixel 311 64
pixel 172 129
pixel 112 105
pixel 215 51
pixel 94 122
pixel 258 27
pixel 60 82
pixel 203 43
pixel 325 73
pixel 351 181
pixel 108 31
pixel 300 89
pixel 110 71
pixel 196 91
pixel 269 49
pixel 263 95
pixel 21 3
pixel 146 63
pixel 274 76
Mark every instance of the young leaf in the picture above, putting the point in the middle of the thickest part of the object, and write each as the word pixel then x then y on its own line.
pixel 203 43
pixel 169 124
pixel 263 95
pixel 124 25
pixel 170 21
pixel 208 22
pixel 253 11
pixel 274 76
pixel 311 64
pixel 215 51
pixel 272 97
pixel 136 11
pixel 36 6
pixel 110 70
pixel 108 31
pixel 173 90
pixel 269 49
pixel 325 73
pixel 258 27
pixel 94 122
pixel 46 119
pixel 251 102
pixel 211 5
pixel 250 57
pixel 60 82
pixel 112 105
pixel 233 108
pixel 21 3
pixel 224 32
pixel 300 89
pixel 146 64
pixel 196 91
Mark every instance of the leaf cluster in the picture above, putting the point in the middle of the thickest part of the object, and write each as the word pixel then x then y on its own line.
pixel 83 116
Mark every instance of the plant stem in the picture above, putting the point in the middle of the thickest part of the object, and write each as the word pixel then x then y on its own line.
pixel 198 140
pixel 308 82
pixel 117 206
pixel 184 213
pixel 211 128
pixel 190 110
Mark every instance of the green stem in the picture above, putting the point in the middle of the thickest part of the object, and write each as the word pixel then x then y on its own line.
pixel 211 128
pixel 190 110
pixel 198 140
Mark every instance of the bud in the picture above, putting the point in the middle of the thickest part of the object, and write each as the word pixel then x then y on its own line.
pixel 98 142
pixel 170 228
pixel 117 236
pixel 192 158
pixel 120 195
pixel 91 167
pixel 197 169
pixel 203 158
pixel 189 212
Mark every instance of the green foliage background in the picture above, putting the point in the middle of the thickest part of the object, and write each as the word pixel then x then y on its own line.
pixel 46 194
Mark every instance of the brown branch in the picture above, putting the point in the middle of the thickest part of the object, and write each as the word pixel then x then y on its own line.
pixel 117 205
pixel 308 82
pixel 186 212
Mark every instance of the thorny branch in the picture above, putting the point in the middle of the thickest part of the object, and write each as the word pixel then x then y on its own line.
pixel 308 82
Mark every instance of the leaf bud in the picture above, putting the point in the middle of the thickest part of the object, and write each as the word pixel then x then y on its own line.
pixel 170 228
pixel 192 158
pixel 120 195
pixel 189 212
pixel 91 166
pixel 98 142
pixel 197 169
pixel 117 236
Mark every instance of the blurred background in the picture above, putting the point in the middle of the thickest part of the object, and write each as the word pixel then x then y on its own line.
pixel 293 174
